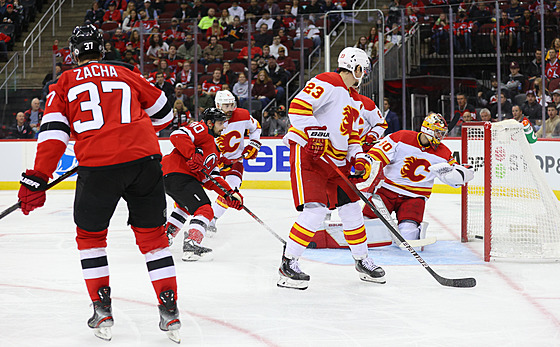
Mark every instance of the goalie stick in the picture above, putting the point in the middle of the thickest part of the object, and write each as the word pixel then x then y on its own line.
pixel 449 282
pixel 245 208
pixel 49 186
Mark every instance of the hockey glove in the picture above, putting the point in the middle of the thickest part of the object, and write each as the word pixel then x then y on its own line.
pixel 318 139
pixel 32 193
pixel 370 140
pixel 197 161
pixel 362 166
pixel 234 199
pixel 251 150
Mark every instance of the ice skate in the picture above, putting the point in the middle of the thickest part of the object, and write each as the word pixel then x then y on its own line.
pixel 370 272
pixel 291 276
pixel 169 316
pixel 102 319
pixel 171 231
pixel 211 230
pixel 194 252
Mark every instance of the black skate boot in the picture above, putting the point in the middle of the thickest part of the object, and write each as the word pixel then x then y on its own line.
pixel 370 272
pixel 102 319
pixel 171 231
pixel 169 316
pixel 291 276
pixel 194 252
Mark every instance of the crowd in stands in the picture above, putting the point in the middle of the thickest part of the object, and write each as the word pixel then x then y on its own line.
pixel 15 17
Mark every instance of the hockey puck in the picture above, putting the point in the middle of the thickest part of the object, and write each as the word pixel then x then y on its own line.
pixel 479 237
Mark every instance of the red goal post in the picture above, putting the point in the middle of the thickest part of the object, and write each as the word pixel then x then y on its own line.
pixel 508 203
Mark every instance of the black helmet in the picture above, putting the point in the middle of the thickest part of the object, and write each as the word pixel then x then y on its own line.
pixel 86 39
pixel 213 114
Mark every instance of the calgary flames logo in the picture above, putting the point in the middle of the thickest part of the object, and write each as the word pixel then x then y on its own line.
pixel 225 144
pixel 360 126
pixel 350 115
pixel 411 164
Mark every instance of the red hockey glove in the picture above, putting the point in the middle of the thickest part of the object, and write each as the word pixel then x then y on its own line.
pixel 236 202
pixel 197 160
pixel 251 150
pixel 32 191
pixel 370 140
pixel 225 162
pixel 318 139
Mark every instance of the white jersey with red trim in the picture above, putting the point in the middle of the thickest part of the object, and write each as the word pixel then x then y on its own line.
pixel 405 163
pixel 372 120
pixel 326 101
pixel 231 141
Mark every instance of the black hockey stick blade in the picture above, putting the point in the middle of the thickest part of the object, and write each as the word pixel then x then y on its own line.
pixel 49 186
pixel 245 208
pixel 458 283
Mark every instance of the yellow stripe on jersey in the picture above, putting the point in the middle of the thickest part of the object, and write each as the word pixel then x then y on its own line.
pixel 357 242
pixel 335 153
pixel 300 104
pixel 303 230
pixel 355 231
pixel 379 155
pixel 298 240
pixel 300 133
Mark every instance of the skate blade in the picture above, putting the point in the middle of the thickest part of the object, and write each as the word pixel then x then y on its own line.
pixel 174 336
pixel 366 278
pixel 103 333
pixel 285 282
pixel 190 256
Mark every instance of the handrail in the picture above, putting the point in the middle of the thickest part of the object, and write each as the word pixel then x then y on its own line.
pixel 35 34
pixel 311 67
pixel 288 96
pixel 4 70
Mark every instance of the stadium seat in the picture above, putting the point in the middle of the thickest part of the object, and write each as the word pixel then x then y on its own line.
pixel 211 67
pixel 203 44
pixel 239 45
pixel 188 91
pixel 519 99
pixel 225 44
pixel 171 7
pixel 225 5
pixel 554 84
pixel 166 16
pixel 237 67
pixel 109 26
pixel 230 55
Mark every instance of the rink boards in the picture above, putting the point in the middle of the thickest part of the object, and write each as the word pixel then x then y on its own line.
pixel 271 169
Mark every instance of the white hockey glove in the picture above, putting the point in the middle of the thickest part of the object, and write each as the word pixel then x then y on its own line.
pixel 454 175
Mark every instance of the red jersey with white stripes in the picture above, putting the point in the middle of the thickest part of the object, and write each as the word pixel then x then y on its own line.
pixel 185 141
pixel 405 163
pixel 111 111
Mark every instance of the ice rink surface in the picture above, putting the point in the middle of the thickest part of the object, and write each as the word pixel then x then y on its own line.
pixel 234 300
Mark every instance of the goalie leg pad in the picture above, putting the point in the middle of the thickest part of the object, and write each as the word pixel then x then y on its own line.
pixel 409 230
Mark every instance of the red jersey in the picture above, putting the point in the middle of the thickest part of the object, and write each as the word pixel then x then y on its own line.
pixel 210 86
pixel 173 34
pixel 114 16
pixel 65 54
pixel 185 140
pixel 111 111
pixel 552 70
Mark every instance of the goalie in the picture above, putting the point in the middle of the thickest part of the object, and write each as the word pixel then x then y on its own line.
pixel 409 162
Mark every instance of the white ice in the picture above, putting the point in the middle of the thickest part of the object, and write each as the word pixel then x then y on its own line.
pixel 234 300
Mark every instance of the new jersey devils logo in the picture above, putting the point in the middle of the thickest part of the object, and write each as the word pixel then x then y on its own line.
pixel 350 115
pixel 411 164
pixel 210 162
pixel 225 144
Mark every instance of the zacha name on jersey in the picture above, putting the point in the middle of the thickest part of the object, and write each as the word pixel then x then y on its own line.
pixel 95 70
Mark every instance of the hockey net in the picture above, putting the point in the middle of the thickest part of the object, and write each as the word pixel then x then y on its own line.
pixel 508 204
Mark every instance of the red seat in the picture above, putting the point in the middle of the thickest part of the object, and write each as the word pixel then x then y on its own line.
pixel 211 67
pixel 171 7
pixel 225 5
pixel 225 44
pixel 212 5
pixel 554 84
pixel 203 44
pixel 204 78
pixel 433 11
pixel 165 15
pixel 294 55
pixel 239 45
pixel 289 44
pixel 188 91
pixel 108 26
pixel 230 55
pixel 237 67
pixel 307 43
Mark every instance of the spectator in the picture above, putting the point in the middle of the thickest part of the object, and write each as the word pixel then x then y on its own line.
pixel 168 74
pixel 225 19
pixel 163 85
pixel 272 8
pixel 507 33
pixel 213 53
pixel 215 30
pixel 269 21
pixel 505 106
pixel 263 37
pixel 21 130
pixel 255 69
pixel 515 11
pixel 113 14
pixel 110 52
pixel 285 62
pixel 310 31
pixel 461 108
pixel 199 10
pixel 288 20
pixel 230 76
pixel 185 76
pixel 334 18
pixel 394 14
pixel 556 98
pixel 515 81
pixel 49 76
pixel 363 44
pixel 517 113
pixel 527 36
pixel 181 115
pixel 130 21
pixel 131 6
pixel 275 122
pixel 204 100
pixel 150 11
pixel 134 41
pixel 182 13
pixel 263 89
pixel 179 95
pixel 551 123
pixel 279 78
pixel 254 10
pixel 173 60
pixel 393 123
pixel 312 9
pixel 552 69
pixel 158 48
pixel 174 32
pixel 531 109
pixel 34 115
pixel 94 15
pixel 244 54
pixel 214 84
pixel 241 88
pixel 206 22
pixel 296 8
pixel 534 6
pixel 12 17
pixel 283 37
pixel 537 87
pixel 485 94
pixel 236 10
pixel 276 45
pixel 186 50
pixel 234 31
pixel 480 14
pixel 486 115
pixel 4 42
pixel 119 40
pixel 440 31
pixel 534 69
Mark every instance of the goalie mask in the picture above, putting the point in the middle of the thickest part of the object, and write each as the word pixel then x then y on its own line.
pixel 214 115
pixel 350 58
pixel 225 101
pixel 86 39
pixel 435 129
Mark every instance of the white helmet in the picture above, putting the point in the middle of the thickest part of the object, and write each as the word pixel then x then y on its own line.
pixel 224 97
pixel 350 57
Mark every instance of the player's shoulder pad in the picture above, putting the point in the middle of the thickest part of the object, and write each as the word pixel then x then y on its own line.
pixel 407 136
pixel 240 114
pixel 118 63
pixel 331 78
pixel 444 152
pixel 369 105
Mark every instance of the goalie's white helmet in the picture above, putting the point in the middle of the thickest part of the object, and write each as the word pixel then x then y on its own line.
pixel 435 128
pixel 225 101
pixel 350 58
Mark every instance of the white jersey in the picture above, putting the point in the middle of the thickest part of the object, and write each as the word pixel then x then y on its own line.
pixel 373 120
pixel 326 101
pixel 405 163
pixel 231 141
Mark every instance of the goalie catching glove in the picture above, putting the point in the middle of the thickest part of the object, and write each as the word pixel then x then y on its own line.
pixel 251 150
pixel 454 175
pixel 317 141
pixel 32 192
pixel 363 168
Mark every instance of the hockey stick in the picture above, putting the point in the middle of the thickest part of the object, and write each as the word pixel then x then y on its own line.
pixel 49 186
pixel 245 208
pixel 449 282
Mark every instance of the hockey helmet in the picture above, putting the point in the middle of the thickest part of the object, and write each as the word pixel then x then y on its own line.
pixel 225 101
pixel 434 127
pixel 350 58
pixel 213 114
pixel 86 39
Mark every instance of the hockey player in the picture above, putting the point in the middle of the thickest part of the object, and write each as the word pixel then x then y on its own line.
pixel 324 117
pixel 410 161
pixel 231 144
pixel 195 151
pixel 372 124
pixel 113 113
